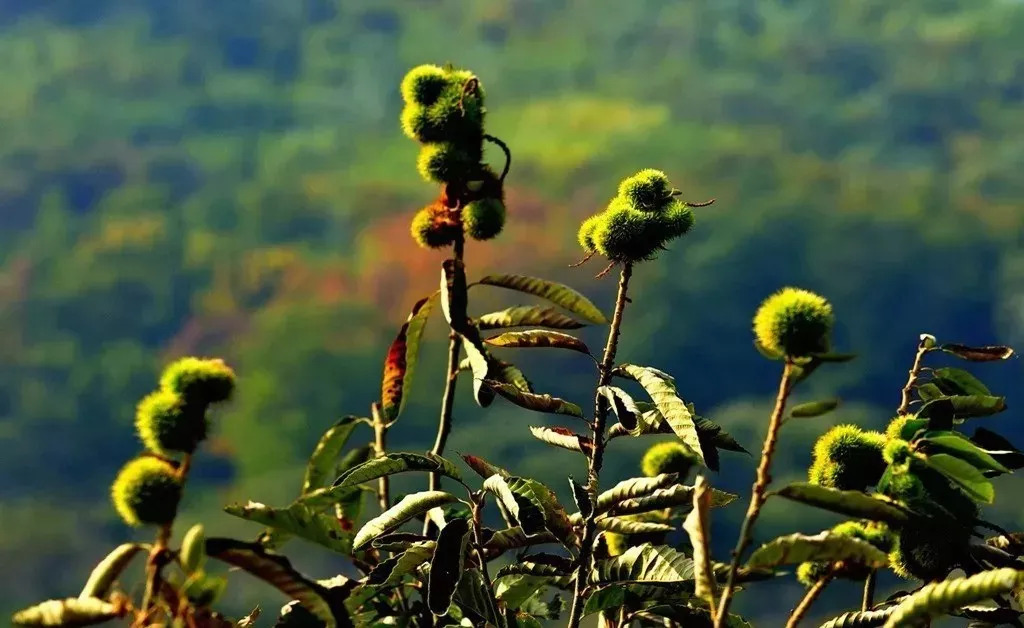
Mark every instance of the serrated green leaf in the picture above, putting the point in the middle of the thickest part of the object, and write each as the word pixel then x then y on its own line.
pixel 483 366
pixel 584 504
pixel 483 468
pixel 813 409
pixel 563 437
pixel 514 590
pixel 644 563
pixel 965 475
pixel 632 488
pixel 409 507
pixel 108 570
pixel 824 547
pixel 529 568
pixel 472 596
pixel 957 445
pixel 538 338
pixel 67 613
pixel 953 381
pixel 978 354
pixel 508 373
pixel 968 406
pixel 298 520
pixel 625 409
pixel 390 572
pixel 698 527
pixel 278 572
pixel 559 294
pixel 515 538
pixel 326 453
pixel 672 408
pixel 676 496
pixel 850 503
pixel 605 598
pixel 537 403
pixel 531 505
pixel 402 356
pixel 528 316
pixel 939 598
pixel 621 525
pixel 447 565
pixel 860 619
pixel 393 463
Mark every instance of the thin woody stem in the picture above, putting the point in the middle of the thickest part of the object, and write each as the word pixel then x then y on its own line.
pixel 760 489
pixel 596 457
pixel 444 425
pixel 158 554
pixel 868 600
pixel 508 155
pixel 915 372
pixel 380 446
pixel 809 598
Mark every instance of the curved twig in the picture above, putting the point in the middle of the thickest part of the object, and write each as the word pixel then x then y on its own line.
pixel 508 154
pixel 586 258
pixel 607 269
pixel 702 204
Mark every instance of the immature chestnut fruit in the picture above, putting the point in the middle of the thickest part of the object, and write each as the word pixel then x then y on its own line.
pixel 199 381
pixel 794 322
pixel 668 457
pixel 167 425
pixel 847 458
pixel 147 491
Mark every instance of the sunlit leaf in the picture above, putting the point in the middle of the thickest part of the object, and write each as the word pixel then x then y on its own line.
pixel 581 496
pixel 939 598
pixel 860 619
pixel 625 409
pixel 326 453
pixel 965 475
pixel 824 547
pixel 299 520
pixel 453 294
pixel 953 381
pixel 813 409
pixel 698 527
pixel 563 437
pixel 676 496
pixel 978 354
pixel 390 571
pixel 559 294
pixel 482 365
pixel 393 463
pixel 531 505
pixel 515 538
pixel 409 507
pixel 528 316
pixel 537 403
pixel 107 571
pixel 400 363
pixel 447 565
pixel 957 445
pixel 849 503
pixel 671 407
pixel 483 468
pixel 634 487
pixel 67 613
pixel 622 525
pixel 644 563
pixel 538 338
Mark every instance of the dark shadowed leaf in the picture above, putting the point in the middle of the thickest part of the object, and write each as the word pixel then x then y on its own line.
pixel 389 572
pixel 70 612
pixel 559 294
pixel 531 505
pixel 515 538
pixel 581 496
pixel 676 496
pixel 325 456
pixel 563 437
pixel 625 409
pixel 107 571
pixel 672 409
pixel 397 541
pixel 447 565
pixel 978 354
pixel 953 381
pixel 278 572
pixel 537 403
pixel 692 614
pixel 400 363
pixel 966 406
pixel 523 567
pixel 481 364
pixel 957 445
pixel 298 520
pixel 472 597
pixel 483 468
pixel 965 475
pixel 393 463
pixel 850 503
pixel 528 316
pixel 824 547
pixel 621 525
pixel 1000 448
pixel 453 294
pixel 409 507
pixel 813 409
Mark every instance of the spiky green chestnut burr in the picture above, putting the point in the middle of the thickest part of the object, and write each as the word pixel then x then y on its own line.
pixel 668 457
pixel 167 425
pixel 847 458
pixel 585 236
pixel 877 534
pixel 453 113
pixel 434 226
pixel 896 451
pixel 794 322
pixel 484 219
pixel 147 491
pixel 199 381
pixel 618 543
pixel 423 84
pixel 900 427
pixel 443 162
pixel 647 190
pixel 627 235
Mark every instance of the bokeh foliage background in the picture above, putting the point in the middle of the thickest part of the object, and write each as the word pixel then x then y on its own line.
pixel 229 178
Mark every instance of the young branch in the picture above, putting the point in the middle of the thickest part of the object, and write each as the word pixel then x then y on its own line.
pixel 444 425
pixel 508 155
pixel 596 457
pixel 478 546
pixel 380 447
pixel 158 554
pixel 915 372
pixel 759 495
pixel 805 604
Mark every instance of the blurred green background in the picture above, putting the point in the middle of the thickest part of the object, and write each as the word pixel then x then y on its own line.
pixel 228 178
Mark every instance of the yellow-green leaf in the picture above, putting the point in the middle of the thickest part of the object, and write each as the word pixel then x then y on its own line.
pixel 411 506
pixel 326 453
pixel 698 527
pixel 563 437
pixel 535 402
pixel 850 503
pixel 822 547
pixel 109 569
pixel 299 520
pixel 534 338
pixel 528 316
pixel 67 613
pixel 939 598
pixel 559 294
pixel 400 363
pixel 671 407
